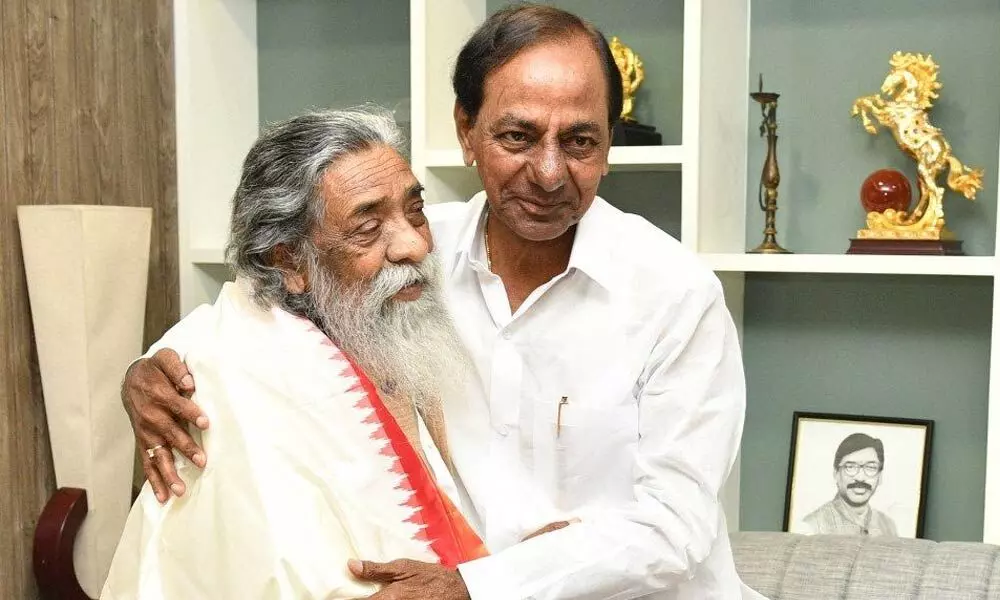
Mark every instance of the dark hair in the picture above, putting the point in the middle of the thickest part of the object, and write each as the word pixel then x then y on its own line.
pixel 855 442
pixel 513 29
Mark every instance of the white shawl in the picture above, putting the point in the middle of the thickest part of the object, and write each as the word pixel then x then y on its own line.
pixel 306 469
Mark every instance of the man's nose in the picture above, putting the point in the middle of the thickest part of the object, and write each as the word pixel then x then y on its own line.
pixel 407 245
pixel 549 170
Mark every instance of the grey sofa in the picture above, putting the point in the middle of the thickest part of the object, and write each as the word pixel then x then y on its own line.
pixel 786 566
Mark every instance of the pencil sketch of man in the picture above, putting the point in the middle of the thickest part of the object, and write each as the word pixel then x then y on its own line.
pixel 857 471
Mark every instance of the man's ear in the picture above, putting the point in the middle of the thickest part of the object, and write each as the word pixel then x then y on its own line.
pixel 295 278
pixel 463 128
pixel 607 153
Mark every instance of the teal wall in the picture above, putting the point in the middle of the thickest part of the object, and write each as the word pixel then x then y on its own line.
pixel 653 195
pixel 820 56
pixel 898 346
pixel 332 54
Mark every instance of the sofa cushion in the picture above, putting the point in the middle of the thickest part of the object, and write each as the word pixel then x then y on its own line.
pixel 888 568
pixel 787 566
pixel 993 589
pixel 819 567
pixel 959 570
pixel 762 559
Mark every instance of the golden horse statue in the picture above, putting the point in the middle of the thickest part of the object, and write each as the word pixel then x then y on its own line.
pixel 906 96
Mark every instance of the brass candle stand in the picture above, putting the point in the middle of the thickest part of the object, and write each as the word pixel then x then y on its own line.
pixel 767 191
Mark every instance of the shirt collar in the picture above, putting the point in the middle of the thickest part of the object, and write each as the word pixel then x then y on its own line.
pixel 592 245
pixel 468 236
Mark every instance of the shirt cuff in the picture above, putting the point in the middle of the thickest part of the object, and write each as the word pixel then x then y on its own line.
pixel 485 580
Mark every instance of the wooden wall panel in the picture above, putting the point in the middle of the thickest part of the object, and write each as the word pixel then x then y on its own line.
pixel 86 117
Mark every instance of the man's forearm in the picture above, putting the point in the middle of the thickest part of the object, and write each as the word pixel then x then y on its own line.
pixel 613 554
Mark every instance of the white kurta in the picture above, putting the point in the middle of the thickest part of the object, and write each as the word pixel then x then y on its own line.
pixel 635 334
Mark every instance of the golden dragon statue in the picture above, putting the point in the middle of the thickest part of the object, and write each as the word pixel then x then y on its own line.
pixel 907 94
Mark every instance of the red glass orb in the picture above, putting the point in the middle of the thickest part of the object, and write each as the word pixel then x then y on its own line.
pixel 884 189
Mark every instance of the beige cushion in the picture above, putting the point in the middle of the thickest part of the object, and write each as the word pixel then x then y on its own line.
pixel 787 566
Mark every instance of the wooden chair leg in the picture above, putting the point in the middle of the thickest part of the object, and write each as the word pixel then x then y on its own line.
pixel 54 538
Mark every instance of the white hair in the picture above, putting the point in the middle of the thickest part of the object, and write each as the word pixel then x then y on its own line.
pixel 409 348
pixel 278 200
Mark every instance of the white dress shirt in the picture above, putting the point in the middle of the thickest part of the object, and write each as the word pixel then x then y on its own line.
pixel 636 336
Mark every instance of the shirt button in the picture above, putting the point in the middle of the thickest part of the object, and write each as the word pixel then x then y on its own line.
pixel 503 430
pixel 506 335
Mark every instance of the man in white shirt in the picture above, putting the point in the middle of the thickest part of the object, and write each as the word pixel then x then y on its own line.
pixel 612 391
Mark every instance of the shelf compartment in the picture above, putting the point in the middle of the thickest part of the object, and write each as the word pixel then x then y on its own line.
pixel 983 266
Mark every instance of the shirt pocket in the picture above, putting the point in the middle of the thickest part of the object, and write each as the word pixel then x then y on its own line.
pixel 595 452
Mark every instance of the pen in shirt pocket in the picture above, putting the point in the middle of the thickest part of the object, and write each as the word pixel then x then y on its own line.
pixel 563 402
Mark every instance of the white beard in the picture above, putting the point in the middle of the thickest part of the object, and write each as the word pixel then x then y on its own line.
pixel 409 349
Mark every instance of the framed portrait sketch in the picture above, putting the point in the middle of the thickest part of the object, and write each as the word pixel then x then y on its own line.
pixel 857 475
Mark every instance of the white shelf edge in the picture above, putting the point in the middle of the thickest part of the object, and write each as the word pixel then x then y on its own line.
pixel 982 266
pixel 991 489
pixel 207 256
pixel 623 158
pixel 639 157
pixel 444 158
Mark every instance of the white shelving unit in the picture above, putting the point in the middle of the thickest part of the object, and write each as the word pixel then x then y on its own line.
pixel 217 119
pixel 984 266
pixel 215 58
pixel 991 516
pixel 214 255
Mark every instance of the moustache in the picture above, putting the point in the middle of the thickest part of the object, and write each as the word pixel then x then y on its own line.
pixel 540 197
pixel 392 278
pixel 860 485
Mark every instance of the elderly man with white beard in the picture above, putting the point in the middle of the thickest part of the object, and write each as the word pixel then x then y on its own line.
pixel 319 368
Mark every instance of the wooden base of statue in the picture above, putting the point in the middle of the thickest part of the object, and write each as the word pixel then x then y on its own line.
pixel 908 247
pixel 628 133
pixel 55 537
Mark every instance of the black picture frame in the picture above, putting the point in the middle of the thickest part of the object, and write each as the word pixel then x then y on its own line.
pixel 907 431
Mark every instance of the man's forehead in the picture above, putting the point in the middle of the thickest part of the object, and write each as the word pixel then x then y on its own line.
pixel 570 65
pixel 368 175
pixel 865 455
pixel 560 57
